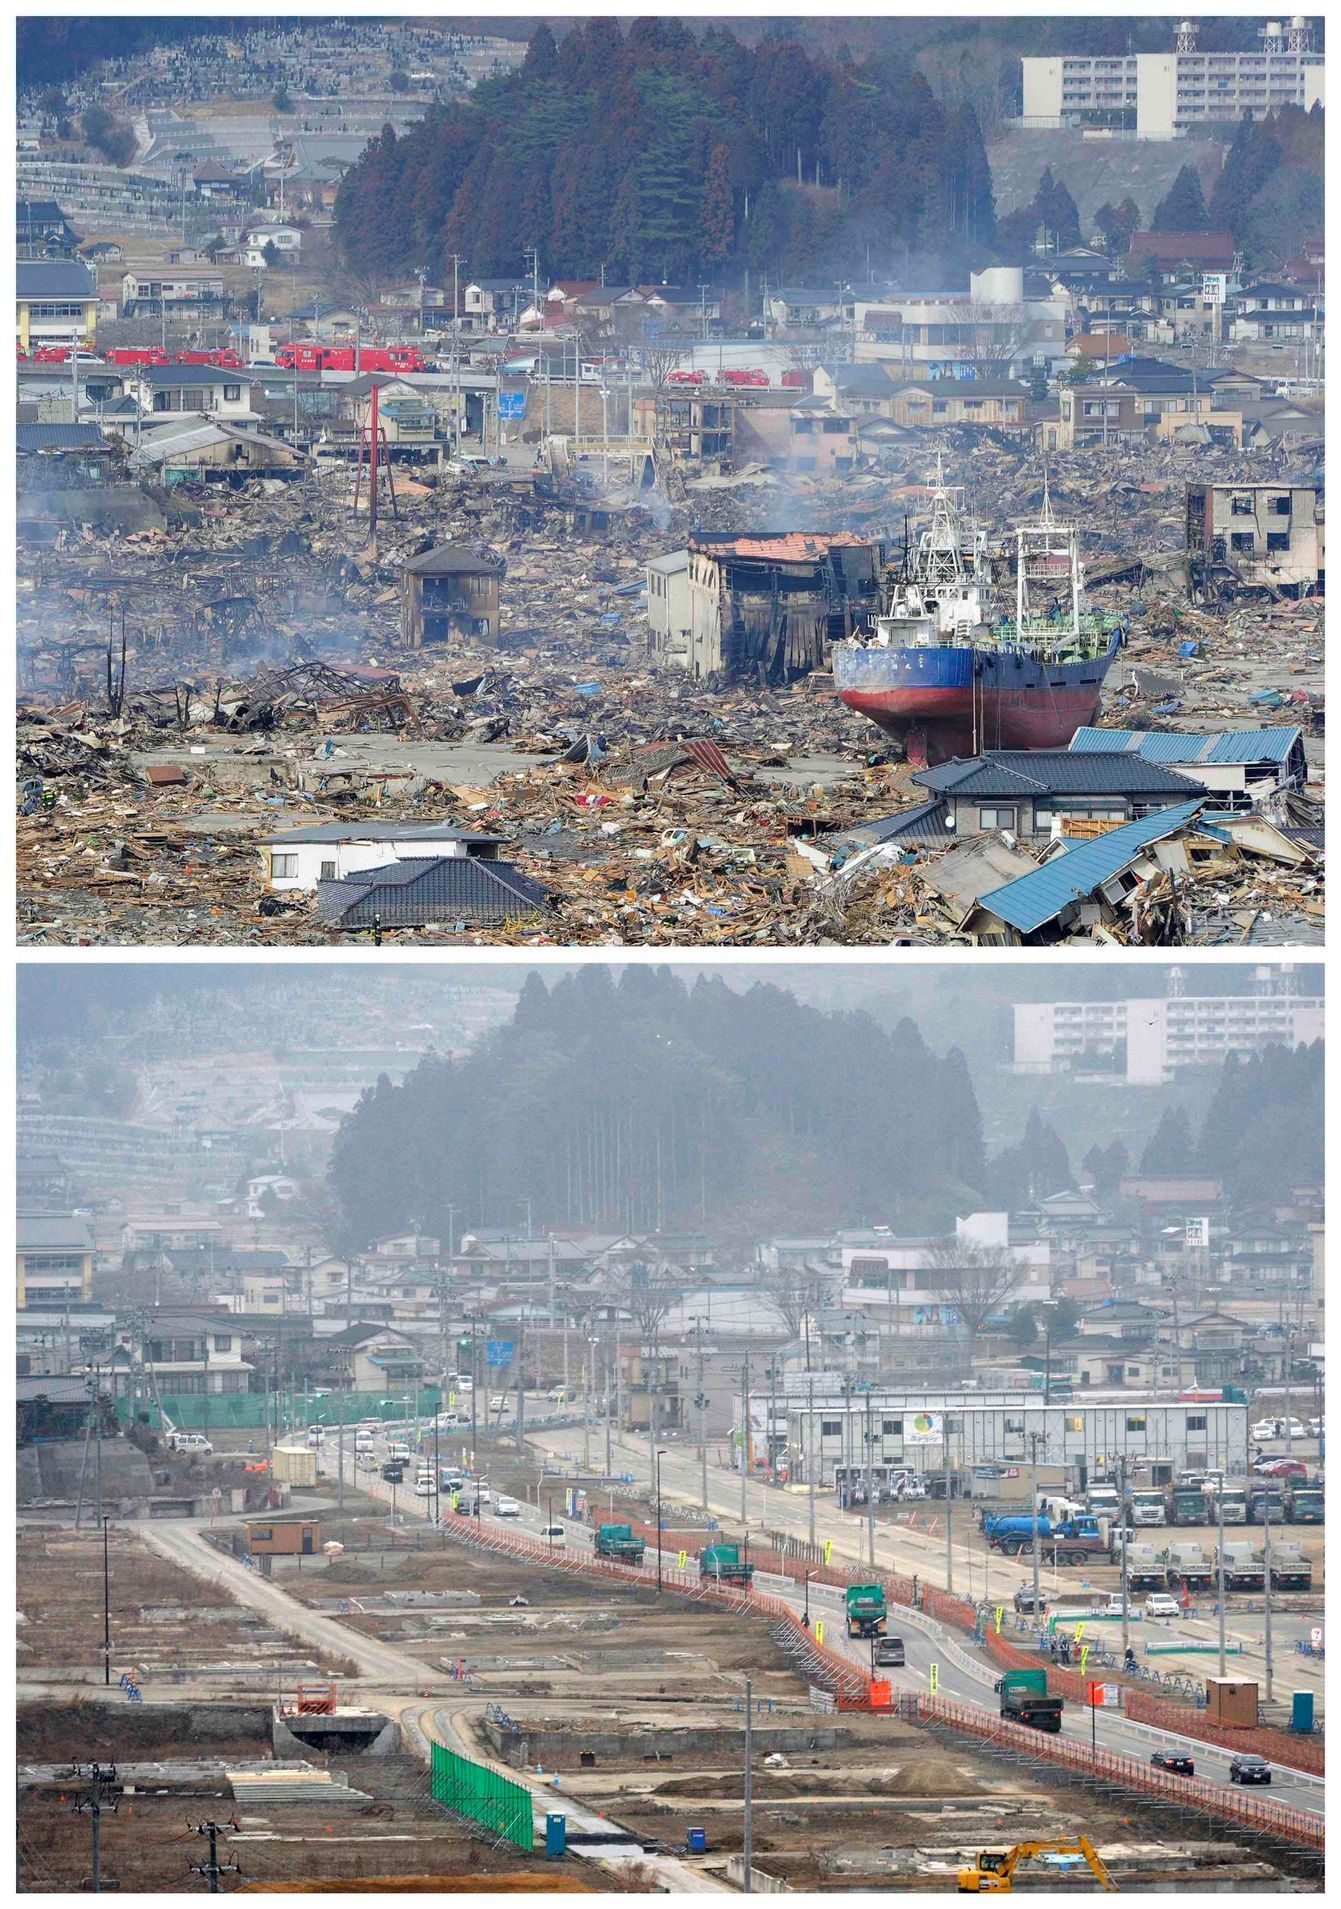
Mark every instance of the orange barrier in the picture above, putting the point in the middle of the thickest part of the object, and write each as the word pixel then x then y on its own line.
pixel 1280 1746
pixel 1237 1806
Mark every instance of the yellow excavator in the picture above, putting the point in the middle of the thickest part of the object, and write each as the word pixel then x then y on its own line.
pixel 992 1873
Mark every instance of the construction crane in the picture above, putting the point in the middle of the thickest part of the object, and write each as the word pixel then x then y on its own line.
pixel 992 1873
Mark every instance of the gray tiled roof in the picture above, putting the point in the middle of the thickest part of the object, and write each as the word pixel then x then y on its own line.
pixel 407 894
pixel 54 278
pixel 1042 772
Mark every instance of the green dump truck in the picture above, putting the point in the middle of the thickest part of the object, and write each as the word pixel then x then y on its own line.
pixel 866 1609
pixel 724 1563
pixel 1025 1699
pixel 619 1542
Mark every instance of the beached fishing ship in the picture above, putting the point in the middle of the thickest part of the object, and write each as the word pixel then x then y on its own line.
pixel 937 670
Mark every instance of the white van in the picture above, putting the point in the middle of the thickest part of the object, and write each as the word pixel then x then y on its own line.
pixel 193 1442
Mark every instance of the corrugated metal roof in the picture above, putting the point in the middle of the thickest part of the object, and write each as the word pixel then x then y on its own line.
pixel 792 546
pixel 64 1231
pixel 1227 746
pixel 376 832
pixel 1030 900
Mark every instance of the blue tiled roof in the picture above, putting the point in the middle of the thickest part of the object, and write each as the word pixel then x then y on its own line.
pixel 1227 746
pixel 1030 900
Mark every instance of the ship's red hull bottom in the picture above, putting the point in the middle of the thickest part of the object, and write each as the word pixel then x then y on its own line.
pixel 936 725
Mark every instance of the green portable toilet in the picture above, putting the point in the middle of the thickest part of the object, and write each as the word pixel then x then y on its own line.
pixel 1301 1713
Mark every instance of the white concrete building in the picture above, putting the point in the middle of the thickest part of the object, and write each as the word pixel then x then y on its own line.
pixel 884 1274
pixel 991 328
pixel 668 607
pixel 1162 95
pixel 1150 1039
pixel 330 851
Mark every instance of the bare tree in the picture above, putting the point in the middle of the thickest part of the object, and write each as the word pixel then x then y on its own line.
pixel 976 1280
pixel 795 1293
pixel 659 359
pixel 992 335
pixel 647 1294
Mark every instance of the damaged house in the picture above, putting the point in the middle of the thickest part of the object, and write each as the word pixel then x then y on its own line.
pixel 1256 536
pixel 769 606
pixel 449 592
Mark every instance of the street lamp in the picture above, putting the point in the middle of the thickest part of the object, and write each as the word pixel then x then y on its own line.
pixel 660 1455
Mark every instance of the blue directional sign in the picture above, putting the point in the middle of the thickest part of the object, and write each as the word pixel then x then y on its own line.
pixel 499 1351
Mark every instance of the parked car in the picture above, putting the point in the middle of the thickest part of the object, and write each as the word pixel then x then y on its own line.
pixel 1174 1763
pixel 558 1393
pixel 195 1443
pixel 890 1651
pixel 1249 1769
pixel 507 1508
pixel 1281 1468
pixel 498 1403
pixel 1025 1602
pixel 1160 1604
pixel 1264 1429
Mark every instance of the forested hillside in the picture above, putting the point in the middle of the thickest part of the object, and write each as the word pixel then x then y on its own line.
pixel 645 1103
pixel 656 155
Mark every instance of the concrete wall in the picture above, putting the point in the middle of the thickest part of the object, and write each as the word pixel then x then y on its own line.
pixel 561 1749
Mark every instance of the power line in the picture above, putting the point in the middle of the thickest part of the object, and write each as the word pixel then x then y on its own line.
pixel 99 1794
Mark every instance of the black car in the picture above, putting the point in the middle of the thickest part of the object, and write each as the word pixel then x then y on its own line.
pixel 1246 1769
pixel 393 1474
pixel 1171 1761
pixel 889 1651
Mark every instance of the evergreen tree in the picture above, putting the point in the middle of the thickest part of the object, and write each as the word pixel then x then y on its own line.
pixel 717 229
pixel 1169 1148
pixel 1253 156
pixel 1182 209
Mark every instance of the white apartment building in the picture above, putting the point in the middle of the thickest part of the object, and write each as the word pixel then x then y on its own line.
pixel 1161 95
pixel 885 1274
pixel 1151 1039
pixel 953 334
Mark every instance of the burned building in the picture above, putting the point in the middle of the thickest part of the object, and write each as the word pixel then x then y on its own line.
pixel 1258 536
pixel 771 605
pixel 448 592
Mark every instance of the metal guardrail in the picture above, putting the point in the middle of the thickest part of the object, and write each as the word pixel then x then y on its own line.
pixel 1252 1813
pixel 825 1669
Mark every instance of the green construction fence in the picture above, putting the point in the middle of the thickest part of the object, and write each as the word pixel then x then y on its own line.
pixel 218 1411
pixel 483 1795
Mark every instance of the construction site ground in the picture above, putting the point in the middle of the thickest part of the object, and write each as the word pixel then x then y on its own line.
pixel 392 1830
pixel 162 1626
pixel 253 619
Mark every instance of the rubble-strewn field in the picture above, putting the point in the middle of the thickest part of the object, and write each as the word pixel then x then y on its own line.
pixel 264 686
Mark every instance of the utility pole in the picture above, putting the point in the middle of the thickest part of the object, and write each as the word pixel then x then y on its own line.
pixel 747 1834
pixel 213 1869
pixel 1122 1514
pixel 609 1404
pixel 106 1611
pixel 810 1453
pixel 1266 1585
pixel 701 1405
pixel 949 1510
pixel 1033 1467
pixel 1220 1566
pixel 1289 1378
pixel 100 1795
pixel 870 1488
pixel 744 1438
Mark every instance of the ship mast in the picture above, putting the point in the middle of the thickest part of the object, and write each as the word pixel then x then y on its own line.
pixel 1048 572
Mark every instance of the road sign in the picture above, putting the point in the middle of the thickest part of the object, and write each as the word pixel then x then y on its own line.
pixel 828 1549
pixel 512 404
pixel 499 1351
pixel 934 1679
pixel 681 1560
pixel 1315 1637
pixel 819 1630
pixel 1000 1609
pixel 1084 1657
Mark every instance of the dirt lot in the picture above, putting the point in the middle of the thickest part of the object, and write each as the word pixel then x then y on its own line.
pixel 162 1620
pixel 398 1832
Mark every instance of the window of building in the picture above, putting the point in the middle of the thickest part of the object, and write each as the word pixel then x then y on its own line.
pixel 1136 1421
pixel 262 1534
pixel 1015 1425
pixel 1241 540
pixel 328 871
pixel 232 393
pixel 831 1428
pixel 1278 540
pixel 223 1342
pixel 283 868
pixel 1197 1422
pixel 1074 1422
pixel 998 818
pixel 1241 506
pixel 891 1428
